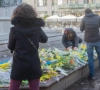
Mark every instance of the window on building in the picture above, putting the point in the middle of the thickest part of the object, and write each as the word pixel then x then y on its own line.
pixel 53 12
pixel 76 1
pixel 59 2
pixel 42 2
pixel 85 1
pixel 56 2
pixel 67 1
pixel 72 2
pixel 92 1
pixel 88 1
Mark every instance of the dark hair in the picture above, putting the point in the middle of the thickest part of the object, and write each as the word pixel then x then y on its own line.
pixel 25 16
pixel 25 11
pixel 70 31
pixel 88 10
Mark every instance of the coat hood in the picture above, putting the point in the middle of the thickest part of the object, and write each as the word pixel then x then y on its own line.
pixel 29 31
pixel 89 15
pixel 28 26
pixel 27 22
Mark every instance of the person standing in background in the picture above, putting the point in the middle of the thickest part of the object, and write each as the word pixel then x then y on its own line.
pixel 90 24
pixel 26 62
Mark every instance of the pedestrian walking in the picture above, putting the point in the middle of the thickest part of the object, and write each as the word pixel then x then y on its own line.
pixel 70 39
pixel 90 25
pixel 24 40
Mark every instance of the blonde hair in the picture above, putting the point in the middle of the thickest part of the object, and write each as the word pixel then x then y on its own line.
pixel 24 11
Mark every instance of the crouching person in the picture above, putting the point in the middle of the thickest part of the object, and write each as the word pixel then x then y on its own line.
pixel 70 39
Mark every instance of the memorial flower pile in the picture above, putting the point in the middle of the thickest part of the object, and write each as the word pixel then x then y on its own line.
pixel 54 62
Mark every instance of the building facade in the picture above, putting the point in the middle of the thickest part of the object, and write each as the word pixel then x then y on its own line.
pixel 63 7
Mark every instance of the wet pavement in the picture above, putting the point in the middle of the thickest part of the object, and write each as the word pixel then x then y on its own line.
pixel 85 84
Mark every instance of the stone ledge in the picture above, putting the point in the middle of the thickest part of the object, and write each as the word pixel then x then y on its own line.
pixel 64 82
pixel 2 42
pixel 5 18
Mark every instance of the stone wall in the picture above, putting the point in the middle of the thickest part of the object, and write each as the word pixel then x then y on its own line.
pixel 6 11
pixel 5 22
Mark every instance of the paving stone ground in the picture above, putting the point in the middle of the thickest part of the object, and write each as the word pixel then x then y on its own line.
pixel 85 84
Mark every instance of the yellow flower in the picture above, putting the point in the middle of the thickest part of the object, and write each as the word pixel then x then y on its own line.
pixel 83 46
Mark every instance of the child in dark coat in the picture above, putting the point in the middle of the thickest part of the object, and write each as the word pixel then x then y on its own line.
pixel 70 38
